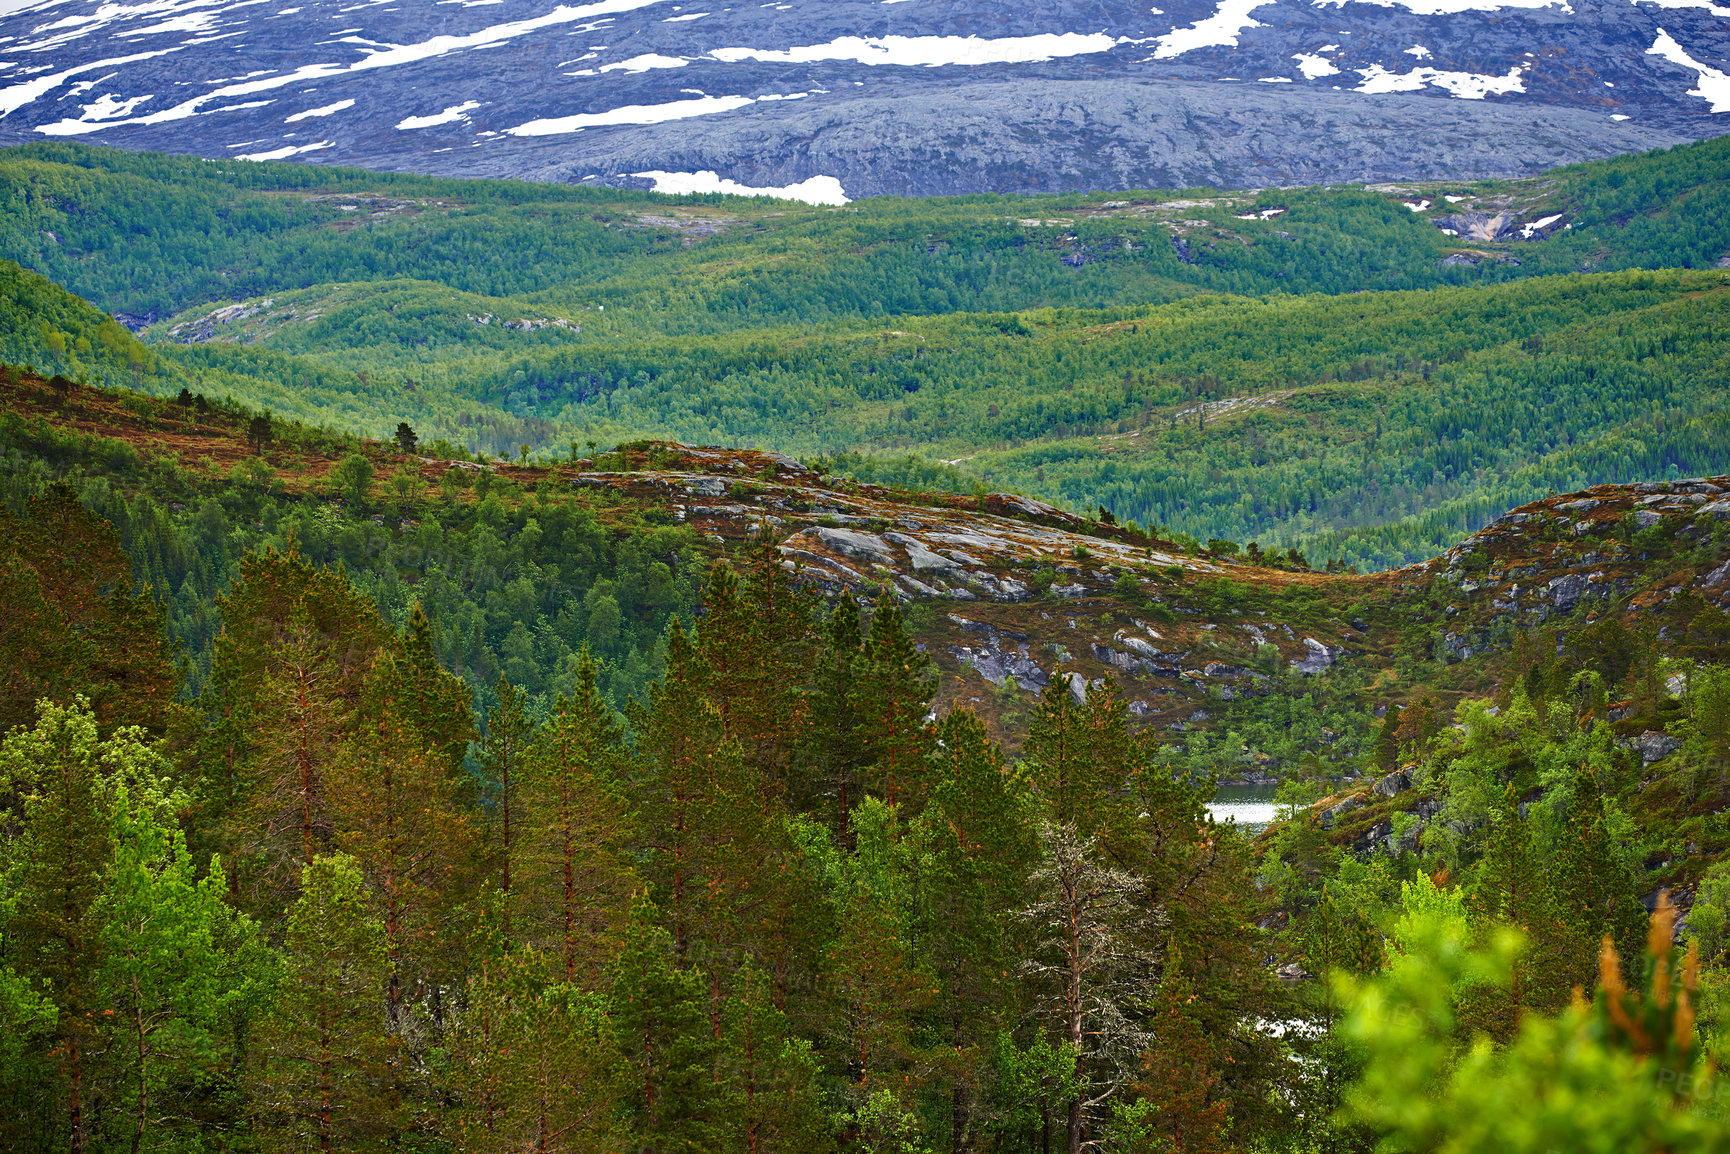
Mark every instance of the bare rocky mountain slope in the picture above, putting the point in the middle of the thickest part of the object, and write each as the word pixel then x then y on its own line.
pixel 855 98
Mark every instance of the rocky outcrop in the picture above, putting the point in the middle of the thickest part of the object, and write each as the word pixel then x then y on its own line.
pixel 1317 657
pixel 998 657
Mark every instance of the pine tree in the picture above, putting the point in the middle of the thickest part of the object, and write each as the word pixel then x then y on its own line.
pixel 1197 905
pixel 756 644
pixel 179 969
pixel 834 755
pixel 573 886
pixel 1387 751
pixel 287 676
pixel 395 806
pixel 326 1077
pixel 1088 976
pixel 664 1030
pixel 1080 755
pixel 769 1073
pixel 54 933
pixel 1595 893
pixel 541 1072
pixel 70 622
pixel 690 794
pixel 509 736
pixel 1180 1073
pixel 1513 889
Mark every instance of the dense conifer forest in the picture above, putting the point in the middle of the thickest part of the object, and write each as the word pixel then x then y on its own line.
pixel 316 853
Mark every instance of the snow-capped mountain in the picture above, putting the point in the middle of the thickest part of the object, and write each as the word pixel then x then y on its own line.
pixel 857 97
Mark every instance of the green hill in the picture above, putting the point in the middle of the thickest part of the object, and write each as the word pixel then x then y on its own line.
pixel 1158 354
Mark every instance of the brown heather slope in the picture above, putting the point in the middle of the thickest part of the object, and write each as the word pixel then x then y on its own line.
pixel 1006 594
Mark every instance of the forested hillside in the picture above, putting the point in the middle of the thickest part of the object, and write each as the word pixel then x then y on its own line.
pixel 367 796
pixel 1093 351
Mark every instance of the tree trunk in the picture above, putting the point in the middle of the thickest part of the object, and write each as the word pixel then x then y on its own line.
pixel 75 1103
pixel 570 888
pixel 326 1092
pixel 304 759
pixel 143 1059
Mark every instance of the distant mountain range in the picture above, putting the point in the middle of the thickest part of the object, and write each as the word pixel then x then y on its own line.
pixel 854 98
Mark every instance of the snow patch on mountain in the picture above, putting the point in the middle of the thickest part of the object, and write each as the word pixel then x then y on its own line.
pixel 450 115
pixel 1708 5
pixel 1314 65
pixel 1713 84
pixel 387 57
pixel 633 114
pixel 18 95
pixel 327 110
pixel 1454 7
pixel 1220 30
pixel 286 151
pixel 1465 85
pixel 648 61
pixel 817 190
pixel 931 51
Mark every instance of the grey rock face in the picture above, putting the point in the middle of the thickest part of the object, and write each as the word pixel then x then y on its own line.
pixel 848 543
pixel 1566 590
pixel 1394 783
pixel 904 99
pixel 1317 657
pixel 1332 814
pixel 1078 688
pixel 923 559
pixel 1654 746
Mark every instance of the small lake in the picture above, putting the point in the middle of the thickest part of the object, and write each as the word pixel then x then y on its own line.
pixel 1251 806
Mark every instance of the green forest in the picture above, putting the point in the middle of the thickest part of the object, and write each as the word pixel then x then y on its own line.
pixel 316 900
pixel 1160 356
pixel 377 775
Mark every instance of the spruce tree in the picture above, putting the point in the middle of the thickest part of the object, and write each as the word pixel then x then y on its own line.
pixel 757 644
pixel 894 690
